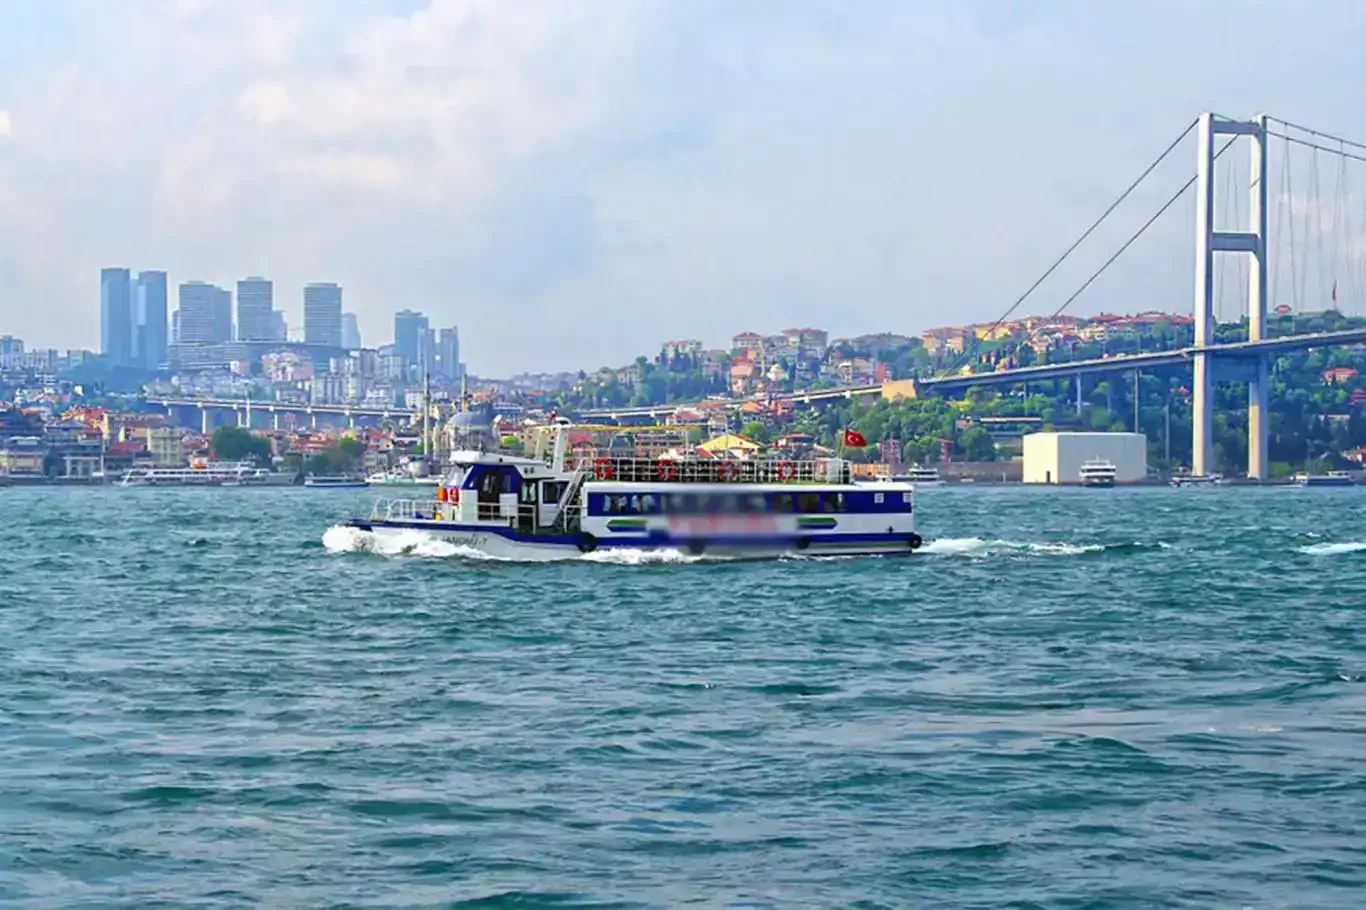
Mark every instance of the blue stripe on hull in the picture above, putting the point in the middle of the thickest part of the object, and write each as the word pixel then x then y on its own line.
pixel 653 541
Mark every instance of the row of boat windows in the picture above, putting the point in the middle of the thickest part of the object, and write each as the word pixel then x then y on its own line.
pixel 752 504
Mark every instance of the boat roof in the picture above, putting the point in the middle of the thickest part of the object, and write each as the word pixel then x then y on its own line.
pixel 739 489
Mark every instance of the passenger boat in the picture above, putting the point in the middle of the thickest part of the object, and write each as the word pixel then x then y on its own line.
pixel 400 478
pixel 335 481
pixel 211 474
pixel 1331 479
pixel 560 500
pixel 1097 473
pixel 922 476
pixel 1197 480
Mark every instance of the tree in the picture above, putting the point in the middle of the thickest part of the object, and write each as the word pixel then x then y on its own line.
pixel 238 444
pixel 755 431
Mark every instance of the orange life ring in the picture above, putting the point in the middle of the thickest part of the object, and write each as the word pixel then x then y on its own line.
pixel 666 471
pixel 729 471
pixel 602 469
pixel 441 494
pixel 786 470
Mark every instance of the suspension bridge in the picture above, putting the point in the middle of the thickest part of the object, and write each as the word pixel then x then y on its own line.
pixel 1312 259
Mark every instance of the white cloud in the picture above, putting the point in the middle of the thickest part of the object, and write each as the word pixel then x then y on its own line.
pixel 570 182
pixel 5 126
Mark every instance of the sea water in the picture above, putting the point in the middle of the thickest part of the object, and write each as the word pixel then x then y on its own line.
pixel 1129 697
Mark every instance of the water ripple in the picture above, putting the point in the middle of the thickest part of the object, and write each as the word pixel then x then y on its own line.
pixel 1076 698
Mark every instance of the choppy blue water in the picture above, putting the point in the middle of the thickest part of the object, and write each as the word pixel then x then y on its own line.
pixel 1075 698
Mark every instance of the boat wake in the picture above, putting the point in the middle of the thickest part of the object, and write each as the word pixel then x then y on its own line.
pixel 1333 549
pixel 422 545
pixel 977 547
pixel 341 539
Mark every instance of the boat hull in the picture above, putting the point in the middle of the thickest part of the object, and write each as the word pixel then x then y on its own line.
pixel 507 543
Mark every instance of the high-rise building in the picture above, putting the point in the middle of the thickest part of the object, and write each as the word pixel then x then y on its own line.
pixel 149 319
pixel 350 332
pixel 278 330
pixel 116 316
pixel 323 314
pixel 410 334
pixel 255 310
pixel 205 314
pixel 448 353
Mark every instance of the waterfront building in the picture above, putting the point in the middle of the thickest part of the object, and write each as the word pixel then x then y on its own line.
pixel 1057 458
pixel 116 316
pixel 149 319
pixel 323 314
pixel 255 310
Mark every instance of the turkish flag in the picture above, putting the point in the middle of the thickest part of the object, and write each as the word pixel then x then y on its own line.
pixel 854 439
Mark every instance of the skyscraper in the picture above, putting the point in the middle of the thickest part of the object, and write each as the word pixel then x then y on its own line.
pixel 149 319
pixel 410 334
pixel 205 314
pixel 255 310
pixel 278 330
pixel 116 316
pixel 350 332
pixel 323 314
pixel 448 353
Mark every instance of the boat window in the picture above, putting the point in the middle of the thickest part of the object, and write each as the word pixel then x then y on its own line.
pixel 650 504
pixel 832 502
pixel 551 491
pixel 784 502
pixel 808 502
pixel 755 504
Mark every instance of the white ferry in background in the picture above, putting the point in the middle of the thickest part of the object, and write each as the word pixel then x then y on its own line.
pixel 210 474
pixel 1331 479
pixel 646 489
pixel 922 476
pixel 335 481
pixel 1197 480
pixel 1097 472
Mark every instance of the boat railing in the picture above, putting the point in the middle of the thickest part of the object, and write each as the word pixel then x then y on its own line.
pixel 405 509
pixel 714 470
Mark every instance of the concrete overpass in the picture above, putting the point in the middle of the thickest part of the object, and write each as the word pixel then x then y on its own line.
pixel 243 409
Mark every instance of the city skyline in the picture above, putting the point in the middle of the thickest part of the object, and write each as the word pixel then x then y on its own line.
pixel 667 164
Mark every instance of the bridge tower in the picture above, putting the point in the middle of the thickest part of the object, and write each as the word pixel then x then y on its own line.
pixel 1208 241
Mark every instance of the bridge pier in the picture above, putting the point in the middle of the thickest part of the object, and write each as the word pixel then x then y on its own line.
pixel 203 421
pixel 1258 419
pixel 1078 394
pixel 275 420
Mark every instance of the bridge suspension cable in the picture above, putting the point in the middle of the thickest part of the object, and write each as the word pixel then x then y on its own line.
pixel 1078 242
pixel 1175 197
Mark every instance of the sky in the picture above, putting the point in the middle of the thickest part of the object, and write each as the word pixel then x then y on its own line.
pixel 572 183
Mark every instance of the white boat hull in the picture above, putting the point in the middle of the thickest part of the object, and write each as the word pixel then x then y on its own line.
pixel 502 543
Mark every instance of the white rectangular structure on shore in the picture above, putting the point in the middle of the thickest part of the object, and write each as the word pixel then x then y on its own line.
pixel 1056 458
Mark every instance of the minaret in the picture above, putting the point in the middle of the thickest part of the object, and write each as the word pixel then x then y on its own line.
pixel 426 415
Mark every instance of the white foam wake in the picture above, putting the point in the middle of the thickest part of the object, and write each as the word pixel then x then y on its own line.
pixel 1333 549
pixel 976 546
pixel 343 539
pixel 623 556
